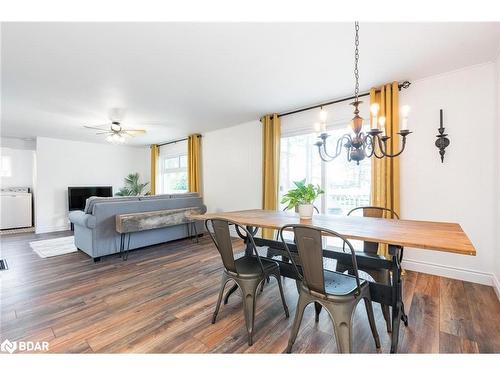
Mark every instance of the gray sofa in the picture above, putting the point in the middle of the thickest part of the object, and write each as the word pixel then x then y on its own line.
pixel 95 228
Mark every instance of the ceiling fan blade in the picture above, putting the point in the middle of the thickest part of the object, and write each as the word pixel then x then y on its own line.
pixel 134 131
pixel 97 127
pixel 108 132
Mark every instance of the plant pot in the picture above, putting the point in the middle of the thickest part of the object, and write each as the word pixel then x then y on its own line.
pixel 306 211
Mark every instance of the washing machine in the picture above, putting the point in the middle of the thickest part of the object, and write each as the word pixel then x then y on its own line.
pixel 15 207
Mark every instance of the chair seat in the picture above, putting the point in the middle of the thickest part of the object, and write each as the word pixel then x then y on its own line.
pixel 340 284
pixel 249 266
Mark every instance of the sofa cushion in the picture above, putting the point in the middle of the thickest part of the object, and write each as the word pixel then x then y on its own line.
pixel 169 196
pixel 83 219
pixel 91 201
pixel 185 195
pixel 150 197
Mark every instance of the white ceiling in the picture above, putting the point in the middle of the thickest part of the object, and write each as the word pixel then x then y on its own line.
pixel 179 78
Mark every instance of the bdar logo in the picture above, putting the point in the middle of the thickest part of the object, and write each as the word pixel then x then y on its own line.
pixel 8 346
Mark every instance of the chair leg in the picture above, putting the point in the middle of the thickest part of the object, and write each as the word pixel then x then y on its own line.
pixel 297 285
pixel 299 313
pixel 219 300
pixel 268 280
pixel 285 307
pixel 231 290
pixel 341 315
pixel 383 277
pixel 387 317
pixel 249 289
pixel 317 309
pixel 371 320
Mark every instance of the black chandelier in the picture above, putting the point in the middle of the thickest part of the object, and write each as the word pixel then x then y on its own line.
pixel 361 145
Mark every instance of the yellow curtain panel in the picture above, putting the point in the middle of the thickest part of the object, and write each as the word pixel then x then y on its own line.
pixel 271 138
pixel 194 163
pixel 154 167
pixel 385 171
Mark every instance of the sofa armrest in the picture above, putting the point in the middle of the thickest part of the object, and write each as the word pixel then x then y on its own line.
pixel 83 219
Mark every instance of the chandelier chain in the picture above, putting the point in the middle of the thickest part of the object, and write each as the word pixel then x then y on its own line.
pixel 356 59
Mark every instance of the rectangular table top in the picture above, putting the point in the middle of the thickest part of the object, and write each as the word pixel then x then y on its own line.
pixel 440 236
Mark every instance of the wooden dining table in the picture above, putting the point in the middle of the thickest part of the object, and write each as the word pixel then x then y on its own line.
pixel 397 234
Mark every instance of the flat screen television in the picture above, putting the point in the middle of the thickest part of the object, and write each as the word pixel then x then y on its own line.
pixel 78 195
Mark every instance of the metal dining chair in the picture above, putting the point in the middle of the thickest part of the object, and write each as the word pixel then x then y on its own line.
pixel 381 275
pixel 247 272
pixel 338 293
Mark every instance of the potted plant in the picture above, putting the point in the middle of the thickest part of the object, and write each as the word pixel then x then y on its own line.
pixel 133 187
pixel 301 198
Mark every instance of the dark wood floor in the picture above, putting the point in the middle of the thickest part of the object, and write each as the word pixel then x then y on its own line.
pixel 161 300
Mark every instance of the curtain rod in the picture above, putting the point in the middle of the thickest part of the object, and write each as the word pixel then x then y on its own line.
pixel 403 85
pixel 177 140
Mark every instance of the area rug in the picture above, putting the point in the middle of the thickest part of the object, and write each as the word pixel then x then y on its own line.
pixel 54 246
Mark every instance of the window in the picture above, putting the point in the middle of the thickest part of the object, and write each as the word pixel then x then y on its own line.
pixel 346 184
pixel 172 176
pixel 6 166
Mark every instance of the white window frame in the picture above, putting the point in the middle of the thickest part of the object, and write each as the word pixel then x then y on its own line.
pixel 170 151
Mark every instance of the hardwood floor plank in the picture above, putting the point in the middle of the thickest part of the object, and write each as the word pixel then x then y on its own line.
pixel 455 315
pixel 455 344
pixel 426 284
pixel 485 312
pixel 422 333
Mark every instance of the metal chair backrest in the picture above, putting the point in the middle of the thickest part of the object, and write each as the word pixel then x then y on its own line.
pixel 309 242
pixel 374 211
pixel 222 239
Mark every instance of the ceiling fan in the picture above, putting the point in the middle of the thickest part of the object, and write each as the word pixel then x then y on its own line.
pixel 114 131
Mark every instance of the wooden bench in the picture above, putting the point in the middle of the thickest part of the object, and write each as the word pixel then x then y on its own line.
pixel 126 224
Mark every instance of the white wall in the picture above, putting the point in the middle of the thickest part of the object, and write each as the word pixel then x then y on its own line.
pixel 62 163
pixel 21 167
pixel 462 189
pixel 232 167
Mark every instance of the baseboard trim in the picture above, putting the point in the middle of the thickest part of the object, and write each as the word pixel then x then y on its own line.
pixel 496 286
pixel 39 230
pixel 450 272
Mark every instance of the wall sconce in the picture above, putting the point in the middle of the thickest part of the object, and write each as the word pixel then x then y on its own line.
pixel 442 142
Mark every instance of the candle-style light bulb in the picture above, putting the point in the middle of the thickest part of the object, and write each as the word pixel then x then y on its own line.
pixel 405 111
pixel 381 121
pixel 323 115
pixel 374 108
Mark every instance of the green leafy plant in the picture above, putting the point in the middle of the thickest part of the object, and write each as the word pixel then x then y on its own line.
pixel 302 194
pixel 132 186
